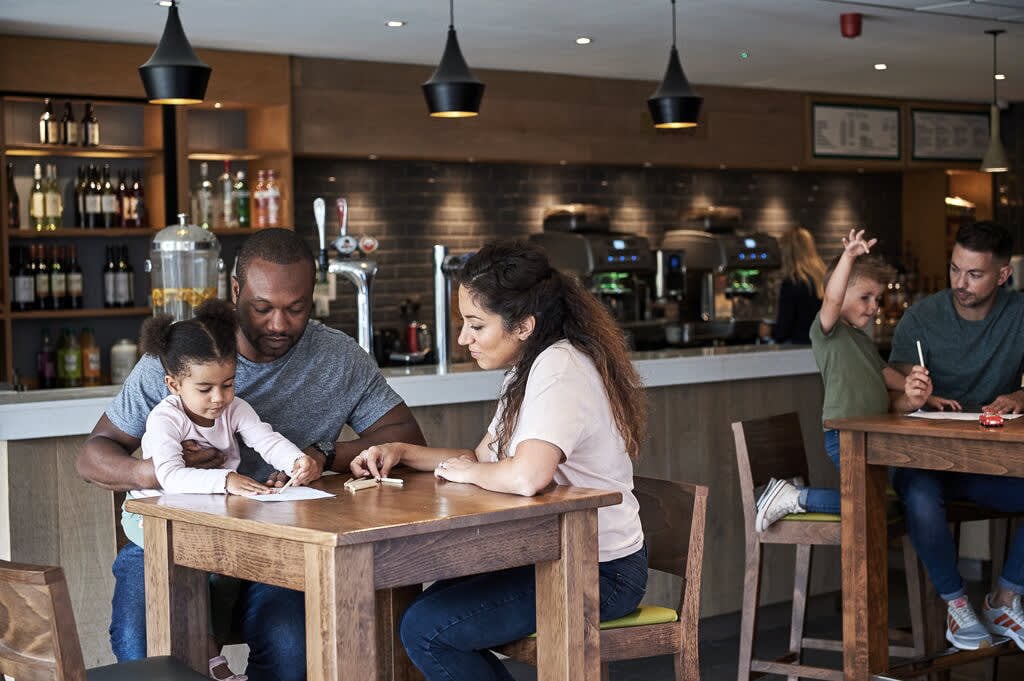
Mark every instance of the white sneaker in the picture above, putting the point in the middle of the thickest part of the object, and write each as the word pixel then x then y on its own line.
pixel 1003 621
pixel 779 499
pixel 963 629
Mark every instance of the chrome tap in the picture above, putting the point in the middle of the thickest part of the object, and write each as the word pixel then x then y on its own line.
pixel 360 273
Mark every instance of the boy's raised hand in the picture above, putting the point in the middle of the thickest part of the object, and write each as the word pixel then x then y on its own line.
pixel 855 244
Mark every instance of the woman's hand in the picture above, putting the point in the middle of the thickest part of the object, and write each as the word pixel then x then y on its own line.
pixel 456 469
pixel 305 470
pixel 237 483
pixel 942 404
pixel 378 460
pixel 855 245
pixel 917 387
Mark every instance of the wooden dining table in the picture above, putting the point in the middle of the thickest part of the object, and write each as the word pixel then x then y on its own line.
pixel 868 446
pixel 348 553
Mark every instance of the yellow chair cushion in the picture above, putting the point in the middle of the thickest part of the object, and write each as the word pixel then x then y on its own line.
pixel 644 615
pixel 813 517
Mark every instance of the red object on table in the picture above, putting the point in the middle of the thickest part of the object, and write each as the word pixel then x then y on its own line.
pixel 991 420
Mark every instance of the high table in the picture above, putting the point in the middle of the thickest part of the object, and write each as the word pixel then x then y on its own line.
pixel 868 445
pixel 343 549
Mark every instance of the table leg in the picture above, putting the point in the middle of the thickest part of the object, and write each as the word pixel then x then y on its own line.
pixel 568 616
pixel 177 600
pixel 394 663
pixel 865 587
pixel 341 636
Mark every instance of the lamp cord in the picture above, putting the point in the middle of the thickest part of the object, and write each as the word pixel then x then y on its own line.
pixel 673 23
pixel 451 13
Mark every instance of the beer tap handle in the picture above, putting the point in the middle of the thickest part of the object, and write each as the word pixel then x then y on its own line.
pixel 319 213
pixel 345 244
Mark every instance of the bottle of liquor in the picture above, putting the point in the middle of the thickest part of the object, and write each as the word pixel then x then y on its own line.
pixel 273 201
pixel 69 360
pixel 49 128
pixel 259 200
pixel 127 203
pixel 139 200
pixel 75 280
pixel 80 187
pixel 68 126
pixel 93 200
pixel 46 362
pixel 23 285
pixel 204 198
pixel 13 204
pixel 108 200
pixel 58 279
pixel 90 127
pixel 226 187
pixel 123 275
pixel 222 279
pixel 42 274
pixel 53 200
pixel 37 200
pixel 240 193
pixel 120 188
pixel 109 287
pixel 90 357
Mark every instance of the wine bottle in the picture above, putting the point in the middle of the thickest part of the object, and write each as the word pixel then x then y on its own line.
pixel 58 279
pixel 37 200
pixel 46 362
pixel 90 127
pixel 49 128
pixel 109 289
pixel 68 126
pixel 75 280
pixel 53 200
pixel 273 200
pixel 23 290
pixel 42 274
pixel 80 188
pixel 127 192
pixel 240 194
pixel 13 204
pixel 204 198
pixel 226 187
pixel 93 203
pixel 139 200
pixel 122 279
pixel 108 200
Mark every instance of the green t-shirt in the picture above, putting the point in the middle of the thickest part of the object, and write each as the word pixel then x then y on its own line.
pixel 851 370
pixel 972 362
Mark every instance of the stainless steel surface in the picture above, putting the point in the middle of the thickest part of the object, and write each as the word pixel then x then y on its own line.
pixel 361 274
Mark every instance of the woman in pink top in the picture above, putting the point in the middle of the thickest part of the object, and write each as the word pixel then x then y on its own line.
pixel 198 356
pixel 572 411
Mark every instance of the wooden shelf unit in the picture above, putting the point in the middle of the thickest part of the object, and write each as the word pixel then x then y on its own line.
pixel 84 233
pixel 84 313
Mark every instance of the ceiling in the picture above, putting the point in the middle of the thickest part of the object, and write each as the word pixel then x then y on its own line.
pixel 934 49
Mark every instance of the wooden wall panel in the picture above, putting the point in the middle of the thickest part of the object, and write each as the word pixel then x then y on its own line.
pixel 924 221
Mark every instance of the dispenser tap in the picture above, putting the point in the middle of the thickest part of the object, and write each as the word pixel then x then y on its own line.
pixel 319 212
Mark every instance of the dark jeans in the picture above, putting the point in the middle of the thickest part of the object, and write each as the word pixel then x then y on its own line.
pixel 271 618
pixel 824 499
pixel 450 627
pixel 925 494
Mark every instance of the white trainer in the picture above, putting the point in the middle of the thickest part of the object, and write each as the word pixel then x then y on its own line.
pixel 779 499
pixel 963 629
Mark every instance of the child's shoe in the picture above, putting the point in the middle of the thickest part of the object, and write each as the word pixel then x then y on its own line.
pixel 1003 621
pixel 779 499
pixel 219 670
pixel 963 629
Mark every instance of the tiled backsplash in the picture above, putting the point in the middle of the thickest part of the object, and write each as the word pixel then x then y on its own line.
pixel 412 205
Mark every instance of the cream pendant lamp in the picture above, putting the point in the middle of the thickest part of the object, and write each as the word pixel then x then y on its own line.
pixel 674 104
pixel 453 91
pixel 995 158
pixel 174 74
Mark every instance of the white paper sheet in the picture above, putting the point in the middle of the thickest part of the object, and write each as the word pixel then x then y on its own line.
pixel 955 415
pixel 293 494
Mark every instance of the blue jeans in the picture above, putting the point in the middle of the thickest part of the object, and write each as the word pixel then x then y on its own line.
pixel 824 499
pixel 450 627
pixel 925 495
pixel 271 618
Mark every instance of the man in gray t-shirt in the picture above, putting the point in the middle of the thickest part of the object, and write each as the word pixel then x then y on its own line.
pixel 972 338
pixel 304 379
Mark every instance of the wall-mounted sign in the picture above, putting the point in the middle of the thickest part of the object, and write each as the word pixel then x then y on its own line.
pixel 847 131
pixel 949 135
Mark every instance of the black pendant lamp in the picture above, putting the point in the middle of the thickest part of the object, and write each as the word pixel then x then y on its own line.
pixel 453 91
pixel 995 158
pixel 174 74
pixel 674 104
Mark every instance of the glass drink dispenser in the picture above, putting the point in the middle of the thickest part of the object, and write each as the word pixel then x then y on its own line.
pixel 183 268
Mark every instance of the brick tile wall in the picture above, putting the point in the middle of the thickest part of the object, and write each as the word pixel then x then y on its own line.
pixel 412 205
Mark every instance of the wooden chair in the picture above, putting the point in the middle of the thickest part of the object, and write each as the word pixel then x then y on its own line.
pixel 774 447
pixel 672 514
pixel 39 639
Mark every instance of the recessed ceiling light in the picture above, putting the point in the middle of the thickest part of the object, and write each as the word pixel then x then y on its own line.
pixel 164 3
pixel 1000 76
pixel 880 67
pixel 584 40
pixel 395 23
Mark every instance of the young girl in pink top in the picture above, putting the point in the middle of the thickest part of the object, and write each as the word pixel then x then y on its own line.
pixel 198 356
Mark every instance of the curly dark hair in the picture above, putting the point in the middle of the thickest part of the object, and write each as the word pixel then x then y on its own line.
pixel 514 280
pixel 277 245
pixel 207 337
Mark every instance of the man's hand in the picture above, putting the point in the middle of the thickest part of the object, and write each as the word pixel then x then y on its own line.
pixel 377 461
pixel 197 456
pixel 942 404
pixel 1013 403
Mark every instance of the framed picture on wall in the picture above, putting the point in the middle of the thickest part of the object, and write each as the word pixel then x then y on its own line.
pixel 853 131
pixel 949 135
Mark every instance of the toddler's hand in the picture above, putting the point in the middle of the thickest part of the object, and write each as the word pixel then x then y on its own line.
pixel 855 245
pixel 917 387
pixel 305 470
pixel 943 404
pixel 237 483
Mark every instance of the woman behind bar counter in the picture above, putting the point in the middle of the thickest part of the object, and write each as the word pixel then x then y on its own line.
pixel 803 275
pixel 572 411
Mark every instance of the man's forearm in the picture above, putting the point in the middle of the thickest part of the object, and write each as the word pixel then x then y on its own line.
pixel 106 464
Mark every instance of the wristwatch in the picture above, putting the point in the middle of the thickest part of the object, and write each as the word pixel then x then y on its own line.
pixel 327 447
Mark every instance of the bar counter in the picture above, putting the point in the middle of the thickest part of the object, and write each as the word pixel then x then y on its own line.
pixel 49 515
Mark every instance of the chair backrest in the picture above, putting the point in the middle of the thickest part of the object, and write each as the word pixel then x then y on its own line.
pixel 766 448
pixel 38 637
pixel 673 516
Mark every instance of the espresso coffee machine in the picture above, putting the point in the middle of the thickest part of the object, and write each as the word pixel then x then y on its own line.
pixel 716 279
pixel 617 267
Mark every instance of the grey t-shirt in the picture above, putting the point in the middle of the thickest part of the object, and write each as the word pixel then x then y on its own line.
pixel 325 381
pixel 972 362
